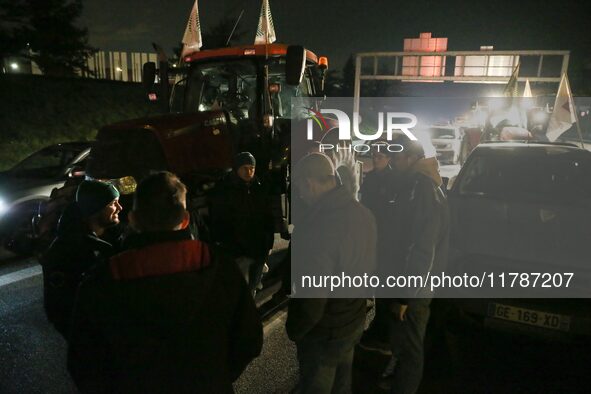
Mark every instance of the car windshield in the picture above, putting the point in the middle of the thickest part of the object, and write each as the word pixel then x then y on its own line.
pixel 437 132
pixel 49 161
pixel 553 176
pixel 223 85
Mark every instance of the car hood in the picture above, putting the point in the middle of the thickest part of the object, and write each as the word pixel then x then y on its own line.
pixel 12 186
pixel 545 234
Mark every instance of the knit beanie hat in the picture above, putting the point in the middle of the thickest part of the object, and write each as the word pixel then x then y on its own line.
pixel 92 196
pixel 244 158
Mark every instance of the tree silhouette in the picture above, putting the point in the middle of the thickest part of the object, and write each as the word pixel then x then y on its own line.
pixel 12 25
pixel 45 32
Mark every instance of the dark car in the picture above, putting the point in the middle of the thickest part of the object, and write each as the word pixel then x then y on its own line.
pixel 524 207
pixel 29 183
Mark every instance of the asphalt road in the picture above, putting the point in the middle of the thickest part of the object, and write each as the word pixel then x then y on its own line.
pixel 32 353
pixel 463 360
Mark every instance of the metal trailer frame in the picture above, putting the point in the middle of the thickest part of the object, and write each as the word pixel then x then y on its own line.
pixel 398 57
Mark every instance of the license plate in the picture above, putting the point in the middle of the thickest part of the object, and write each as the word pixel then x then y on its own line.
pixel 530 317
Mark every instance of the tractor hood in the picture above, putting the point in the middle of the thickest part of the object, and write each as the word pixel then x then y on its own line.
pixel 181 143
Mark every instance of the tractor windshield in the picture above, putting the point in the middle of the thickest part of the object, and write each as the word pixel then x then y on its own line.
pixel 236 86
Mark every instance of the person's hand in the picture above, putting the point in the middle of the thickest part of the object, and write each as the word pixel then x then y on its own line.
pixel 399 311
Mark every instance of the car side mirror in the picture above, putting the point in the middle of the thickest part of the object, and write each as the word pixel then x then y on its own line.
pixel 295 64
pixel 76 172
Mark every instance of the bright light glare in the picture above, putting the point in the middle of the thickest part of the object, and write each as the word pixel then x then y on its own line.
pixel 495 104
pixel 539 117
pixel 527 103
pixel 14 66
pixel 425 140
pixel 3 207
pixel 118 69
pixel 480 117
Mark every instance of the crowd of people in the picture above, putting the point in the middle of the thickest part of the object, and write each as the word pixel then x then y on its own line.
pixel 157 310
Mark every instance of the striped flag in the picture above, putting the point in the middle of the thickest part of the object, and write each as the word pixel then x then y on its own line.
pixel 511 88
pixel 265 29
pixel 192 37
pixel 563 115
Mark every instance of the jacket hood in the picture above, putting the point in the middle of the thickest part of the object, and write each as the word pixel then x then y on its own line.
pixel 430 168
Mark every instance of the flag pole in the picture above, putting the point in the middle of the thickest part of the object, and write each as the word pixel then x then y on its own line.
pixel 578 125
pixel 576 114
pixel 234 28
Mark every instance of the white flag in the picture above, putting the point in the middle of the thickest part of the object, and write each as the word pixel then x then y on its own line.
pixel 265 29
pixel 192 37
pixel 527 90
pixel 563 116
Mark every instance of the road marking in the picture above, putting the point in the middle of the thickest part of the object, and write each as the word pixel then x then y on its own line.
pixel 20 275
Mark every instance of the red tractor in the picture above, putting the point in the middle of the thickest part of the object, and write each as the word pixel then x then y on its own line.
pixel 222 101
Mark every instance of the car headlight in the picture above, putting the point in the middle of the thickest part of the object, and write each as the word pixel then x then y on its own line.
pixel 3 207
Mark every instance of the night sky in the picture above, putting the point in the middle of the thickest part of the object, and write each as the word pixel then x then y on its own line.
pixel 339 28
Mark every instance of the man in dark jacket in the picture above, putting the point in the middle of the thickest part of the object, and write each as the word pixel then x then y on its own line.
pixel 419 238
pixel 168 319
pixel 80 246
pixel 335 234
pixel 242 218
pixel 377 192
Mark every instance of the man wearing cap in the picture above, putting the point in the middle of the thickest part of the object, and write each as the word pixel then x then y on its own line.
pixel 333 234
pixel 242 218
pixel 78 248
pixel 168 316
pixel 419 235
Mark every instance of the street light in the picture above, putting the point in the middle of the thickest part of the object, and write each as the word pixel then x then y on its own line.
pixel 14 66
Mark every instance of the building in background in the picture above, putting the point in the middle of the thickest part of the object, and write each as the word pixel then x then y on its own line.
pixel 485 65
pixel 424 66
pixel 110 65
pixel 118 66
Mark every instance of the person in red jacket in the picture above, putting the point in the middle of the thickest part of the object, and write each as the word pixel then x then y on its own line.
pixel 169 317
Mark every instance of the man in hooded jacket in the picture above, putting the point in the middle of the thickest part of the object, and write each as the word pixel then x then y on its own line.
pixel 419 237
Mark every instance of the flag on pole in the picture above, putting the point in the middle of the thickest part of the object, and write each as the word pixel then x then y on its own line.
pixel 511 90
pixel 563 116
pixel 527 90
pixel 266 29
pixel 192 37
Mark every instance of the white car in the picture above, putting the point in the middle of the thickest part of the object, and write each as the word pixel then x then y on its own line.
pixel 447 141
pixel 29 183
